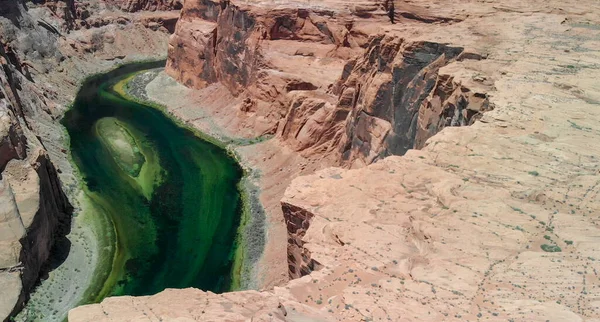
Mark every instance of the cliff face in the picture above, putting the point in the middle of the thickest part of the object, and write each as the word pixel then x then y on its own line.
pixel 297 221
pixel 398 99
pixel 383 102
pixel 255 53
pixel 492 221
pixel 35 211
pixel 150 5
pixel 324 82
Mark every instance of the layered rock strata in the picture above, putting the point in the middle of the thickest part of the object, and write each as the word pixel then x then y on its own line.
pixel 300 262
pixel 35 210
pixel 150 5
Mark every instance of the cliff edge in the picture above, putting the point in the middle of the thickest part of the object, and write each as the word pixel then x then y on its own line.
pixel 471 128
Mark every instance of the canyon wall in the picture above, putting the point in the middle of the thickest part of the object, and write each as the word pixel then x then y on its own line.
pixel 35 210
pixel 300 262
pixel 493 221
pixel 254 52
pixel 324 82
pixel 374 95
pixel 46 49
pixel 151 5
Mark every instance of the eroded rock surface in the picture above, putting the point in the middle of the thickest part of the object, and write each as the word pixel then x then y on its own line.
pixel 494 221
pixel 151 5
pixel 195 305
pixel 35 211
pixel 293 68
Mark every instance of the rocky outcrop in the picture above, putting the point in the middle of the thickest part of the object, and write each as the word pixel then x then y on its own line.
pixel 78 14
pixel 35 211
pixel 398 99
pixel 383 102
pixel 493 221
pixel 223 42
pixel 150 5
pixel 245 47
pixel 195 305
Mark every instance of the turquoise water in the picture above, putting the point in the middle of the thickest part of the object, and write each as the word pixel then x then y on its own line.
pixel 171 197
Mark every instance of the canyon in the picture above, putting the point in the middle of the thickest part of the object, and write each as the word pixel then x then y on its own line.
pixel 440 168
pixel 48 48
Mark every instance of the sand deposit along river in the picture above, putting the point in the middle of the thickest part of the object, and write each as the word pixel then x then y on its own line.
pixel 166 204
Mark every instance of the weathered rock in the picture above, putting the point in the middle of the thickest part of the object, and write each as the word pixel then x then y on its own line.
pixel 151 5
pixel 35 213
pixel 362 116
pixel 255 51
pixel 401 100
pixel 299 260
pixel 491 221
pixel 195 305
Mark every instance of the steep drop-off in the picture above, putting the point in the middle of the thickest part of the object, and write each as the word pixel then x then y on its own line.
pixel 172 197
pixel 35 211
pixel 323 81
pixel 296 69
pixel 397 98
pixel 493 221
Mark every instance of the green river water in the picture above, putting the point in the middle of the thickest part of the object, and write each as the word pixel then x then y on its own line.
pixel 171 198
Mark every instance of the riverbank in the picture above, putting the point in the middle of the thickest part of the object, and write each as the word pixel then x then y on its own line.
pixel 271 165
pixel 49 48
pixel 72 273
pixel 81 278
pixel 251 232
pixel 182 234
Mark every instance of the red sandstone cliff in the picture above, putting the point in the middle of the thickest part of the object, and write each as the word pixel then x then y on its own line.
pixel 151 5
pixel 324 82
pixel 320 81
pixel 492 221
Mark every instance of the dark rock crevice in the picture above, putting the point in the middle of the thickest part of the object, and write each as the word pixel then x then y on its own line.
pixel 46 237
pixel 300 262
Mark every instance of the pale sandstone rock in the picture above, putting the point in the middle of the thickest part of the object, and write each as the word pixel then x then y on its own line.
pixel 10 283
pixel 11 229
pixel 195 305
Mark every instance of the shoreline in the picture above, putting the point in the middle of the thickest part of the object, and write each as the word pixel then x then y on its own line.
pixel 211 111
pixel 43 298
pixel 244 273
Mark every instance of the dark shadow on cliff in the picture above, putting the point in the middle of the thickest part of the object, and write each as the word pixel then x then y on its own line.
pixel 62 210
pixel 58 255
pixel 45 247
pixel 10 10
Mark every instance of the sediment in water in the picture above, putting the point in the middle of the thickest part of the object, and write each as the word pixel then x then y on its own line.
pixel 163 204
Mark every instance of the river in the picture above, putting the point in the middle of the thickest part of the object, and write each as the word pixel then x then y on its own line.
pixel 168 201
